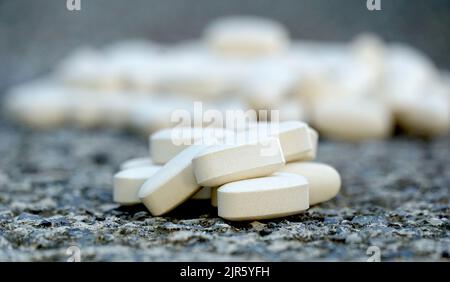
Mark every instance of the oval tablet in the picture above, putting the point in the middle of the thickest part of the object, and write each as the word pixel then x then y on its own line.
pixel 324 181
pixel 220 164
pixel 167 143
pixel 311 155
pixel 89 68
pixel 128 182
pixel 352 120
pixel 295 138
pixel 172 185
pixel 136 162
pixel 39 104
pixel 152 113
pixel 87 110
pixel 427 115
pixel 281 194
pixel 246 35
pixel 292 110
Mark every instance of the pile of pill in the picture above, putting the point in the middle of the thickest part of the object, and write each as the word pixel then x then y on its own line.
pixel 247 176
pixel 349 91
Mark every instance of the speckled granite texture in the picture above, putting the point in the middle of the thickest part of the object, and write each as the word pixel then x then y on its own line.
pixel 55 191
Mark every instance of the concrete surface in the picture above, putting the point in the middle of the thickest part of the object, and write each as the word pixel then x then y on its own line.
pixel 55 191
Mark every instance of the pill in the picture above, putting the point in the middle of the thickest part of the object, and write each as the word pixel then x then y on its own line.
pixel 203 194
pixel 87 111
pixel 350 78
pixel 116 110
pixel 281 194
pixel 101 108
pixel 87 67
pixel 150 114
pixel 352 120
pixel 426 115
pixel 145 118
pixel 311 155
pixel 128 182
pixel 136 162
pixel 172 185
pixel 167 143
pixel 39 104
pixel 268 86
pixel 235 123
pixel 408 65
pixel 408 74
pixel 369 49
pixel 81 67
pixel 324 181
pixel 292 110
pixel 176 76
pixel 246 35
pixel 295 139
pixel 220 164
pixel 264 97
pixel 133 67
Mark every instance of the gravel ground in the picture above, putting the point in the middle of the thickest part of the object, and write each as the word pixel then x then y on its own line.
pixel 55 191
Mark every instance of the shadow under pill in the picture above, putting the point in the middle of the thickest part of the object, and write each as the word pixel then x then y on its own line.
pixel 188 210
pixel 193 209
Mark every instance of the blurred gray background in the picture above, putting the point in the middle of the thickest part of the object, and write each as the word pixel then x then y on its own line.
pixel 34 35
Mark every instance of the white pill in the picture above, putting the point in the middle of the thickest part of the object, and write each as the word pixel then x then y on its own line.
pixel 175 74
pixel 263 97
pixel 150 114
pixel 136 162
pixel 220 164
pixel 311 155
pixel 268 86
pixel 146 118
pixel 172 185
pixel 292 110
pixel 132 57
pixel 424 115
pixel 295 139
pixel 86 110
pixel 324 181
pixel 352 119
pixel 167 143
pixel 203 194
pixel 116 110
pixel 245 35
pixel 278 195
pixel 370 50
pixel 312 86
pixel 41 104
pixel 406 65
pixel 128 182
pixel 89 68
